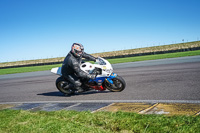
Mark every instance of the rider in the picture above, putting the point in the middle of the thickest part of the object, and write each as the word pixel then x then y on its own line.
pixel 71 66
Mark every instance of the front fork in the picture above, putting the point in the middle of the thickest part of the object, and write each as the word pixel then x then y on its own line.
pixel 109 79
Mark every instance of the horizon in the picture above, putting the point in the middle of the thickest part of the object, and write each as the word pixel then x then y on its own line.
pixel 102 52
pixel 43 29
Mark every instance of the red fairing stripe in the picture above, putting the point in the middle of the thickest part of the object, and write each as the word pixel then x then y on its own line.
pixel 100 88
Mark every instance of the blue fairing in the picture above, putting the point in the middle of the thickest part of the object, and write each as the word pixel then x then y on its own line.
pixel 102 79
pixel 109 79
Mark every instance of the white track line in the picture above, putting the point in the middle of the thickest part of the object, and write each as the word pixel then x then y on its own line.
pixel 109 101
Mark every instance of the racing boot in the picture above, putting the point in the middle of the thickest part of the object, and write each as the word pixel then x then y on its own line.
pixel 86 87
pixel 78 90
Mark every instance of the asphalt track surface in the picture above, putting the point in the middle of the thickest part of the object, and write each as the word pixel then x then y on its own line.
pixel 165 80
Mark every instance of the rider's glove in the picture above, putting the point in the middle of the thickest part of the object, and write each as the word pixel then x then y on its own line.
pixel 97 60
pixel 92 76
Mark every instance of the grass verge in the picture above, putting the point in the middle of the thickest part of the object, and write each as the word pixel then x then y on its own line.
pixel 101 122
pixel 112 61
pixel 27 69
pixel 154 57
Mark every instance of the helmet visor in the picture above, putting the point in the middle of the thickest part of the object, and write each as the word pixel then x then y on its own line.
pixel 80 52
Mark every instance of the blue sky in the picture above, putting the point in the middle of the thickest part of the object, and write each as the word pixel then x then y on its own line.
pixel 35 29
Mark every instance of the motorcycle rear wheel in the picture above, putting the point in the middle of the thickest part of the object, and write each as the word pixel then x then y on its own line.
pixel 118 84
pixel 63 86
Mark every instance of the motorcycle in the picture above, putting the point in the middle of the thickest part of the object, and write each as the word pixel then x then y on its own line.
pixel 104 78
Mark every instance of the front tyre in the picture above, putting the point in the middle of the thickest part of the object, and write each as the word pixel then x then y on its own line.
pixel 63 86
pixel 118 84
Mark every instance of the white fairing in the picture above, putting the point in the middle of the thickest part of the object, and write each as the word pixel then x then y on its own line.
pixel 102 64
pixel 57 70
pixel 89 67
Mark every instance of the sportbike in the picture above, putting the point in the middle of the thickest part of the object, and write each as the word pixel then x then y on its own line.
pixel 104 78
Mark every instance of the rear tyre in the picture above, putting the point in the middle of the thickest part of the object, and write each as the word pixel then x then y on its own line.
pixel 118 84
pixel 63 86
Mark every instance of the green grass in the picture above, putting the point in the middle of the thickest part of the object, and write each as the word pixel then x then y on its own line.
pixel 154 57
pixel 18 121
pixel 112 61
pixel 27 69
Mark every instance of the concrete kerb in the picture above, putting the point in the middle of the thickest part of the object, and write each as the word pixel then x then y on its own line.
pixel 137 107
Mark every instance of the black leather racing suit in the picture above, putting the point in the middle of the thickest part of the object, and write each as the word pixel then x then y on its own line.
pixel 71 68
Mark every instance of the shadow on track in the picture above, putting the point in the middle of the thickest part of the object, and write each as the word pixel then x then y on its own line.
pixel 59 94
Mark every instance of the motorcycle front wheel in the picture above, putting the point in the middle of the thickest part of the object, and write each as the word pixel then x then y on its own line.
pixel 118 84
pixel 63 86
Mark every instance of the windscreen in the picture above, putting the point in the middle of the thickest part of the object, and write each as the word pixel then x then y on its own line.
pixel 102 62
